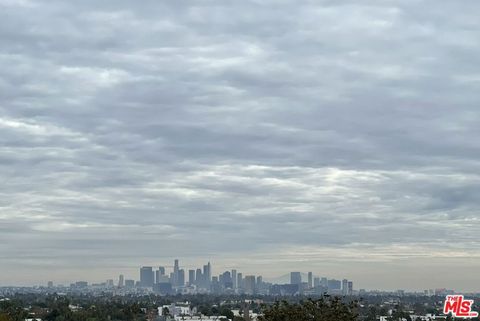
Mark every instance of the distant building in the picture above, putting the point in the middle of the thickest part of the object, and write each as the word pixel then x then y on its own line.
pixel 163 288
pixel 146 276
pixel 161 270
pixel 295 278
pixel 227 280
pixel 249 284
pixel 159 274
pixel 191 277
pixel 181 277
pixel 284 289
pixel 199 278
pixel 176 269
pixel 50 284
pixel 324 282
pixel 207 274
pixel 129 283
pixel 334 284
pixel 259 280
pixel 234 279
pixel 81 284
pixel 240 281
pixel 316 282
pixel 176 309
pixel 344 286
pixel 350 288
pixel 121 282
pixel 310 280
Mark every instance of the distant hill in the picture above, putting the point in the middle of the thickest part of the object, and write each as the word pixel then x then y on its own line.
pixel 284 279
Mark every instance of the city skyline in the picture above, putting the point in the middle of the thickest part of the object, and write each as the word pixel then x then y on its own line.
pixel 338 137
pixel 304 277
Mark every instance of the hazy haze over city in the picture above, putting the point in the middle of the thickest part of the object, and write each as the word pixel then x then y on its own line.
pixel 339 137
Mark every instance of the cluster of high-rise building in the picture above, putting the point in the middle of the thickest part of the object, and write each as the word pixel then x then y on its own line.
pixel 201 280
pixel 321 284
pixel 160 281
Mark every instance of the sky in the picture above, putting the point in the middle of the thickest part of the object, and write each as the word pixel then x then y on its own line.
pixel 339 137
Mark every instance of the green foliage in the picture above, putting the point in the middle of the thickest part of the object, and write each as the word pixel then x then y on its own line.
pixel 226 312
pixel 323 309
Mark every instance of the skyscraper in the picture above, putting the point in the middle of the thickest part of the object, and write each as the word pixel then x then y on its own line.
pixel 350 288
pixel 199 278
pixel 181 277
pixel 240 281
pixel 234 279
pixel 227 280
pixel 121 281
pixel 295 278
pixel 259 281
pixel 316 282
pixel 191 277
pixel 324 282
pixel 207 274
pixel 176 268
pixel 129 283
pixel 344 286
pixel 310 280
pixel 250 284
pixel 146 276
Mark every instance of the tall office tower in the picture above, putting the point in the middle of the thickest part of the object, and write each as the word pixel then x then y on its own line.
pixel 175 273
pixel 316 282
pixel 181 277
pixel 259 280
pixel 240 280
pixel 249 284
pixel 146 276
pixel 226 278
pixel 344 286
pixel 207 274
pixel 160 275
pixel 234 279
pixel 163 279
pixel 295 278
pixel 109 283
pixel 310 280
pixel 191 277
pixel 172 279
pixel 199 278
pixel 129 283
pixel 334 284
pixel 50 284
pixel 324 282
pixel 121 281
pixel 350 288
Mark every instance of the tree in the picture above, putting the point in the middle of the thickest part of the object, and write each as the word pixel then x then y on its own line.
pixel 323 309
pixel 227 312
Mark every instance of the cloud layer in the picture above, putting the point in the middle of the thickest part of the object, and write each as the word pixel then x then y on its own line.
pixel 334 136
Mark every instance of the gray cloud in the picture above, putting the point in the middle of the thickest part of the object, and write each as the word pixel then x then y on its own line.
pixel 341 135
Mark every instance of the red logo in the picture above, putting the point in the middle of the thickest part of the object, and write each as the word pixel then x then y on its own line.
pixel 459 307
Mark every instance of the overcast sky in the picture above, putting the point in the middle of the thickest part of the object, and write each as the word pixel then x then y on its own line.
pixel 339 137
